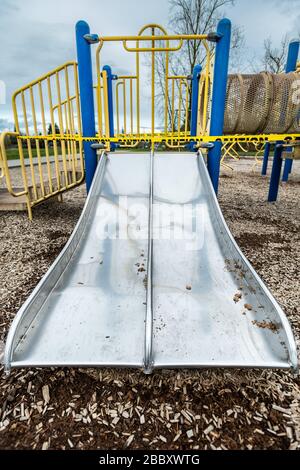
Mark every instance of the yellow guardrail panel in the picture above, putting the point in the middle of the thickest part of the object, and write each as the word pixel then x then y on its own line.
pixel 43 110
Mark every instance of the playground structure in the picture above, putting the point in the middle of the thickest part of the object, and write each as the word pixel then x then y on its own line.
pixel 93 308
pixel 260 111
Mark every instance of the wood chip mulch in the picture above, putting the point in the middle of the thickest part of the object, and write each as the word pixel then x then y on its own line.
pixel 118 409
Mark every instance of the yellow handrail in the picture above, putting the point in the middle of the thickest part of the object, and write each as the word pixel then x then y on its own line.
pixel 153 37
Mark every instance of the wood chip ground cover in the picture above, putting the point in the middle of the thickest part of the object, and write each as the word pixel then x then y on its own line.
pixel 112 409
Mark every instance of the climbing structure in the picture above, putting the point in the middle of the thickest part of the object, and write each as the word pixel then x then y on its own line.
pixel 71 108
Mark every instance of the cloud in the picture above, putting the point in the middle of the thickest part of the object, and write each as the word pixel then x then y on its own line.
pixel 8 6
pixel 285 6
pixel 6 124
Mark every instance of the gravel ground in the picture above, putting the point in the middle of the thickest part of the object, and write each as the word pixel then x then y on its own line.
pixel 88 409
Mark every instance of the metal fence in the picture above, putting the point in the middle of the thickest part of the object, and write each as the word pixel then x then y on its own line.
pixel 47 126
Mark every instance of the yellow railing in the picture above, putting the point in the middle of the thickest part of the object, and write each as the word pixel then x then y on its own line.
pixel 179 110
pixel 126 105
pixel 47 121
pixel 175 90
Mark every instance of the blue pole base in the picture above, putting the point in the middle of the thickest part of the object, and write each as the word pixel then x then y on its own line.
pixel 90 156
pixel 219 98
pixel 266 160
pixel 275 176
pixel 213 164
pixel 287 170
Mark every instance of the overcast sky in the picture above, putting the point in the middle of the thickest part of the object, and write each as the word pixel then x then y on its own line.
pixel 38 35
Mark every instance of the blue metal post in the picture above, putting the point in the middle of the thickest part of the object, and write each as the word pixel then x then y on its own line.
pixel 194 103
pixel 291 66
pixel 219 98
pixel 266 159
pixel 276 172
pixel 86 98
pixel 287 169
pixel 110 78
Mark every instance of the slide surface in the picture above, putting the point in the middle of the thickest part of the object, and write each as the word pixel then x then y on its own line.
pixel 194 302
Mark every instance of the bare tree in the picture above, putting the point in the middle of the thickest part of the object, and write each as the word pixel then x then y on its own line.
pixel 193 17
pixel 199 17
pixel 275 57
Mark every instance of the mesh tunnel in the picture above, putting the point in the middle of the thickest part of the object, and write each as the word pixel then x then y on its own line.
pixel 262 103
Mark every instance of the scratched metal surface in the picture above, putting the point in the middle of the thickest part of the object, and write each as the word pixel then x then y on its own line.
pixel 91 307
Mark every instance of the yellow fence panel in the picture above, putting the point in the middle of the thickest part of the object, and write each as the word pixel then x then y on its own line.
pixel 48 124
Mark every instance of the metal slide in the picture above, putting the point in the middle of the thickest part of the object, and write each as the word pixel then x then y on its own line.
pixel 166 287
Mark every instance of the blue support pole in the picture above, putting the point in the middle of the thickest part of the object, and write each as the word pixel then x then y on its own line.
pixel 110 78
pixel 194 103
pixel 219 98
pixel 291 66
pixel 287 169
pixel 276 172
pixel 86 98
pixel 266 159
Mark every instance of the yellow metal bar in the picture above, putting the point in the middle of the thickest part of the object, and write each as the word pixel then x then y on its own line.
pixel 131 145
pixel 167 89
pixel 74 144
pixel 64 102
pixel 68 131
pixel 77 99
pixel 70 124
pixel 106 112
pixel 138 114
pixel 37 143
pixel 56 162
pixel 9 186
pixel 177 77
pixel 43 77
pixel 179 109
pixel 8 182
pixel 131 106
pixel 127 77
pixel 228 149
pixel 80 146
pixel 125 107
pixel 2 174
pixel 166 37
pixel 207 84
pixel 153 48
pixel 227 166
pixel 187 102
pixel 173 106
pixel 29 148
pixel 61 128
pixel 242 148
pixel 45 141
pixel 117 106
